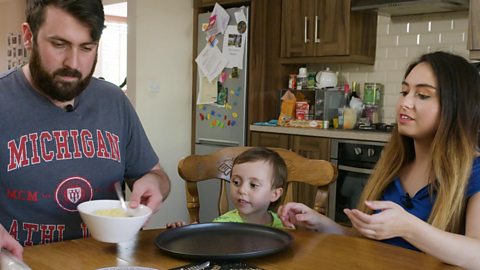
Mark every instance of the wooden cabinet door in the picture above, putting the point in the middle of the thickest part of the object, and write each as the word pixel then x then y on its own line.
pixel 331 27
pixel 474 30
pixel 313 148
pixel 297 28
pixel 269 139
pixel 332 33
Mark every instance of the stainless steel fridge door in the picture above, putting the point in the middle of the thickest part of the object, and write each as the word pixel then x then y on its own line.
pixel 223 125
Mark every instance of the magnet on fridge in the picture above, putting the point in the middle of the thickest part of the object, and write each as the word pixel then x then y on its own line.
pixel 204 27
pixel 223 77
pixel 242 27
pixel 235 72
pixel 238 91
pixel 212 40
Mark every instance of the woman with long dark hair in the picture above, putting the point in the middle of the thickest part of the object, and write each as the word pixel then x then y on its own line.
pixel 424 193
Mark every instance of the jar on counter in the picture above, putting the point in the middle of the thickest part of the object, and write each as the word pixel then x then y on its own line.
pixel 349 118
pixel 301 82
pixel 372 113
pixel 373 93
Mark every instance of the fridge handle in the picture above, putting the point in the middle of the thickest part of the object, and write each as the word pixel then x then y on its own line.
pixel 217 142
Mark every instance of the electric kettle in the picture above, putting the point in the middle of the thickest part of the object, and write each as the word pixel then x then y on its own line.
pixel 326 79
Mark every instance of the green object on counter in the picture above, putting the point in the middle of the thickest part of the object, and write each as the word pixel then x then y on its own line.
pixel 372 93
pixel 311 80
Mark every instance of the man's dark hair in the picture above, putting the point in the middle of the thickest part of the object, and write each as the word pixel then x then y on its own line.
pixel 89 12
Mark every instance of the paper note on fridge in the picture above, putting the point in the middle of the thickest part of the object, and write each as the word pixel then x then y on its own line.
pixel 207 91
pixel 211 62
pixel 218 21
pixel 233 47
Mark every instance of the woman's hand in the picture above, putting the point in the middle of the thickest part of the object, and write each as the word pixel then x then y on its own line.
pixel 391 221
pixel 293 214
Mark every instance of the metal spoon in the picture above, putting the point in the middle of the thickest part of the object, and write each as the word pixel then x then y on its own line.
pixel 129 211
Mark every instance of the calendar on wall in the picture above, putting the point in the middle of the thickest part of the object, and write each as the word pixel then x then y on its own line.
pixel 16 52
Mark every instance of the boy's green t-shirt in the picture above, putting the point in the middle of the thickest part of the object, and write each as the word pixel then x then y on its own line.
pixel 234 216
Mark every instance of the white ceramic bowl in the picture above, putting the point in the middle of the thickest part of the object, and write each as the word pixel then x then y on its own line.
pixel 112 229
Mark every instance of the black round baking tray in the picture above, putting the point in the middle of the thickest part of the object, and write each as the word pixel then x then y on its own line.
pixel 223 241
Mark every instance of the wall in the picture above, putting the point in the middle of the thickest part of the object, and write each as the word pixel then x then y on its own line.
pixel 400 40
pixel 12 15
pixel 159 84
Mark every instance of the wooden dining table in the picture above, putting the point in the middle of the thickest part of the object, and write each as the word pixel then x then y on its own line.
pixel 308 250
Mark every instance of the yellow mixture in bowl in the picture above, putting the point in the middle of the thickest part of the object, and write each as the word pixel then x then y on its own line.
pixel 114 212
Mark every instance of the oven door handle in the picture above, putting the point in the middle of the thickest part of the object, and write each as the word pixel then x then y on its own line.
pixel 355 169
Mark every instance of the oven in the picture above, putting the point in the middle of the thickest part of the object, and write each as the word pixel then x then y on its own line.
pixel 355 161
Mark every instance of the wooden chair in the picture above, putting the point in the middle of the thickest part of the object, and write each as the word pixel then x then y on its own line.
pixel 196 168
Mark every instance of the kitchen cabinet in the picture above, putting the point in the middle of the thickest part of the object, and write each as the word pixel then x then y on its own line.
pixel 269 140
pixel 474 30
pixel 326 31
pixel 311 147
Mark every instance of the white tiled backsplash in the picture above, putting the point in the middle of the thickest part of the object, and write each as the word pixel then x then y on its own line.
pixel 400 40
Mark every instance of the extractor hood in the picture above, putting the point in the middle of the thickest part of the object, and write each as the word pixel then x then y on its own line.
pixel 408 7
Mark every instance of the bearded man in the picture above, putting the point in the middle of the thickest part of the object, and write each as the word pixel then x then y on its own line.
pixel 66 137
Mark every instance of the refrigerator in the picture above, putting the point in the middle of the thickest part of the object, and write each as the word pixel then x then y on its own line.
pixel 224 125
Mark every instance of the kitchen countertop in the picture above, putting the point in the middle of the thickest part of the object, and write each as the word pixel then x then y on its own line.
pixel 326 133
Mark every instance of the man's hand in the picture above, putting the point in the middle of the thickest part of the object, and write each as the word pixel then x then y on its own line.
pixel 151 189
pixel 9 243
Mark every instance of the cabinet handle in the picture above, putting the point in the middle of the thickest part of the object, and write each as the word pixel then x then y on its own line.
pixel 305 28
pixel 317 40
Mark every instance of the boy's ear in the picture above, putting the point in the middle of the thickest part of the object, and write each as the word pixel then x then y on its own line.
pixel 276 194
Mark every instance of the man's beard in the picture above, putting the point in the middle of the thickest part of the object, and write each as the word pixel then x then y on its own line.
pixel 53 87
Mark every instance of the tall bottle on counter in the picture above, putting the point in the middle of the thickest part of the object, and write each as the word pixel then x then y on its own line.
pixel 349 114
pixel 355 90
pixel 346 91
pixel 302 78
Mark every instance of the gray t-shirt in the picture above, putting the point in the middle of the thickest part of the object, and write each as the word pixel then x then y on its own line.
pixel 51 160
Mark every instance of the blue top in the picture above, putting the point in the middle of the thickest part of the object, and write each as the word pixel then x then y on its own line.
pixel 421 204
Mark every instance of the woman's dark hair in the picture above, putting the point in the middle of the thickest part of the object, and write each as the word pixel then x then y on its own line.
pixel 89 12
pixel 279 168
pixel 453 148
